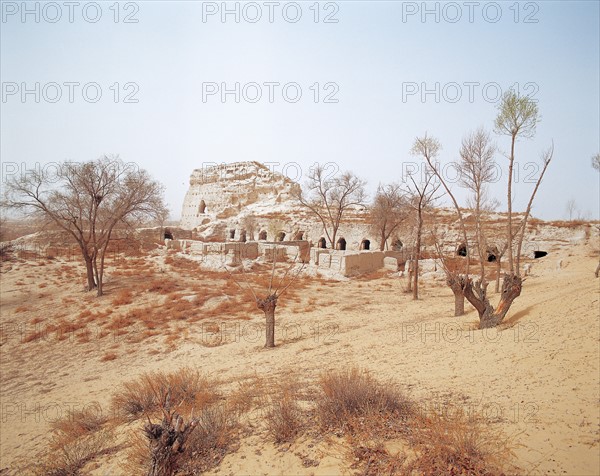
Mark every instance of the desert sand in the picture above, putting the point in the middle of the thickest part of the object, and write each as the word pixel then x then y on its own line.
pixel 537 378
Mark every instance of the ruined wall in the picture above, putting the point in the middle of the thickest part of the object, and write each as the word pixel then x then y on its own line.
pixel 221 198
pixel 222 191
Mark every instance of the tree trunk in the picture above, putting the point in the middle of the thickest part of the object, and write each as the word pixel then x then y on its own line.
pixel 167 443
pixel 509 235
pixel 90 273
pixel 459 304
pixel 416 259
pixel 97 275
pixel 476 295
pixel 455 283
pixel 498 271
pixel 268 306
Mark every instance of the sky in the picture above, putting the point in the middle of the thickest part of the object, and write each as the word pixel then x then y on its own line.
pixel 177 86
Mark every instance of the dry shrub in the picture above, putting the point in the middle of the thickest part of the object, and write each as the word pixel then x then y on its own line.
pixel 188 389
pixel 374 460
pixel 213 433
pixel 123 297
pixel 209 442
pixel 80 422
pixel 369 413
pixel 108 357
pixel 34 336
pixel 459 444
pixel 348 395
pixel 249 393
pixel 76 440
pixel 284 415
pixel 204 449
pixel 163 286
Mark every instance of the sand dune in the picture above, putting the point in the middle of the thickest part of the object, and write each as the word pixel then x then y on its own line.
pixel 537 378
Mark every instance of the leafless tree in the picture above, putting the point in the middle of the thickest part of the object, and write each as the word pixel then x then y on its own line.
pixel 428 148
pixel 388 211
pixel 476 170
pixel 596 161
pixel 420 196
pixel 517 117
pixel 476 293
pixel 571 208
pixel 88 200
pixel 330 198
pixel 279 282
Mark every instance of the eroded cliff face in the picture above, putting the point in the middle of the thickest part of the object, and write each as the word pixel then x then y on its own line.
pixel 220 192
pixel 230 202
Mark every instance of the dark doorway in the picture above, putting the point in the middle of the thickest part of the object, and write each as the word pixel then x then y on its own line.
pixel 365 245
pixel 322 243
pixel 461 250
pixel 231 234
pixel 341 244
pixel 539 254
pixel 492 254
pixel 262 235
pixel 280 236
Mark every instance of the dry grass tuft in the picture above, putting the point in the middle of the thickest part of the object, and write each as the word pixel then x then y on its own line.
pixel 350 394
pixel 123 297
pixel 458 443
pixel 189 389
pixel 76 440
pixel 284 416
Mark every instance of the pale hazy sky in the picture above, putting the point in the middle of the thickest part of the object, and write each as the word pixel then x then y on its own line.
pixel 375 59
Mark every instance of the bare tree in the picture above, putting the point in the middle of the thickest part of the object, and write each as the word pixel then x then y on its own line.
pixel 476 172
pixel 517 117
pixel 571 208
pixel 331 198
pixel 89 200
pixel 388 211
pixel 596 161
pixel 267 300
pixel 428 148
pixel 476 293
pixel 420 196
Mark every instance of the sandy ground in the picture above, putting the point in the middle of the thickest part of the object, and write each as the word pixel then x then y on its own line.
pixel 538 379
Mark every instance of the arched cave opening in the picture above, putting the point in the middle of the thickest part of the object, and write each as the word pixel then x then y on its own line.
pixel 168 235
pixel 341 244
pixel 365 244
pixel 539 254
pixel 461 250
pixel 280 236
pixel 262 235
pixel 202 207
pixel 322 243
